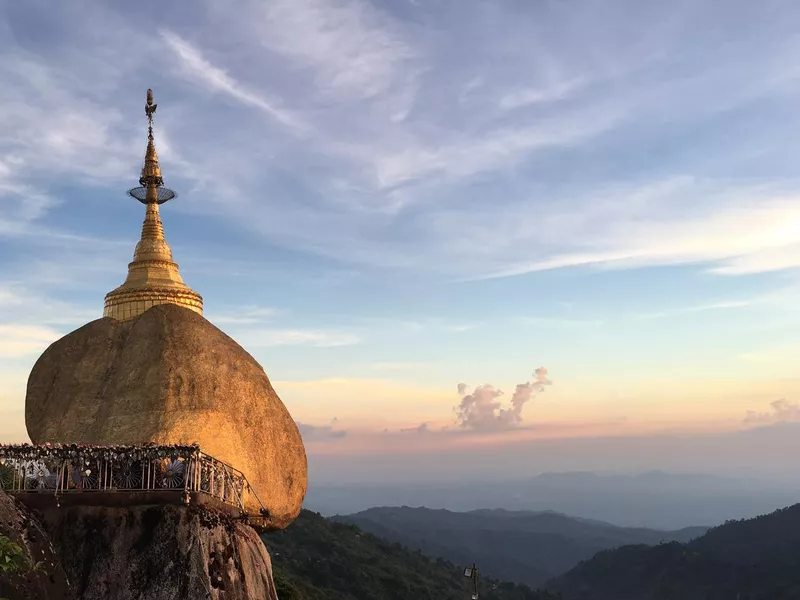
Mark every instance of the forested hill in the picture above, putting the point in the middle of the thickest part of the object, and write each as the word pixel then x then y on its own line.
pixel 753 559
pixel 523 546
pixel 318 559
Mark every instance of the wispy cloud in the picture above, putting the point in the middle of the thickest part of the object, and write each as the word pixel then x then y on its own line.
pixel 25 340
pixel 395 144
pixel 351 47
pixel 59 123
pixel 782 298
pixel 53 123
pixel 396 366
pixel 298 337
pixel 761 261
pixel 687 310
pixel 561 322
pixel 529 96
pixel 481 152
pixel 754 227
pixel 198 68
pixel 28 309
pixel 775 355
pixel 245 315
pixel 342 68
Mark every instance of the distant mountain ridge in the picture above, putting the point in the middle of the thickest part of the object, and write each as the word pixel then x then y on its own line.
pixel 653 499
pixel 524 546
pixel 750 559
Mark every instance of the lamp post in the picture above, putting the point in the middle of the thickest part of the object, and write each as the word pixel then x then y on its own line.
pixel 472 573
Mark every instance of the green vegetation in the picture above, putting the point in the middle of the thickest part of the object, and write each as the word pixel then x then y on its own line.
pixel 13 559
pixel 523 546
pixel 753 559
pixel 318 559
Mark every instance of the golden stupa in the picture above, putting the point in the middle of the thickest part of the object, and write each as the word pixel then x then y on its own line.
pixel 153 277
pixel 154 370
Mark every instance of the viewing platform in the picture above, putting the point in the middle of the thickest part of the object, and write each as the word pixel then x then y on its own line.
pixel 52 475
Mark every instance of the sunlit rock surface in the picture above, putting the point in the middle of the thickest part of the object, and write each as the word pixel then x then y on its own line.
pixel 169 376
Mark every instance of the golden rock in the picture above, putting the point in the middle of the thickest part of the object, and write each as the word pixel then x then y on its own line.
pixel 169 376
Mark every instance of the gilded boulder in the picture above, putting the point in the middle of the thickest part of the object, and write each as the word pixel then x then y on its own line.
pixel 169 376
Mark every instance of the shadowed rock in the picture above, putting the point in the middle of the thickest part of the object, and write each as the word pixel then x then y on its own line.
pixel 41 576
pixel 169 376
pixel 159 553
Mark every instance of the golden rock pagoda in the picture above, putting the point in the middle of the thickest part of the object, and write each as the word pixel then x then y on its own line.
pixel 154 371
pixel 153 277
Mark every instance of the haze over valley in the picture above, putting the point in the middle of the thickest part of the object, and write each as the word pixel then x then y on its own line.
pixel 656 499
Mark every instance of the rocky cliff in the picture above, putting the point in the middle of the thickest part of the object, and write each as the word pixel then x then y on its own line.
pixel 159 553
pixel 37 572
pixel 136 553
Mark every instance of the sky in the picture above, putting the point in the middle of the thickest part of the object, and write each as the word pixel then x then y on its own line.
pixel 442 226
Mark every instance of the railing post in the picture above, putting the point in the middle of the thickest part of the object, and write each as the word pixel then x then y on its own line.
pixel 60 481
pixel 186 472
pixel 212 479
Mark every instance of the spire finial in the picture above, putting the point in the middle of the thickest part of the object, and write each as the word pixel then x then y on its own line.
pixel 150 108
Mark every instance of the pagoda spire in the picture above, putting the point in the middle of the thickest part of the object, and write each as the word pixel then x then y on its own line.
pixel 151 172
pixel 153 277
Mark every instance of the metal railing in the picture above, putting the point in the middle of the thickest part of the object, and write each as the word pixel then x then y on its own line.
pixel 71 469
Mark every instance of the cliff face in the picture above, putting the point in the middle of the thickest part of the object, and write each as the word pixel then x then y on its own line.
pixel 41 576
pixel 159 553
pixel 169 376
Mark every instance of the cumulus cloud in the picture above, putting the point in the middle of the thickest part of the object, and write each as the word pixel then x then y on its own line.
pixel 320 432
pixel 482 410
pixel 783 411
